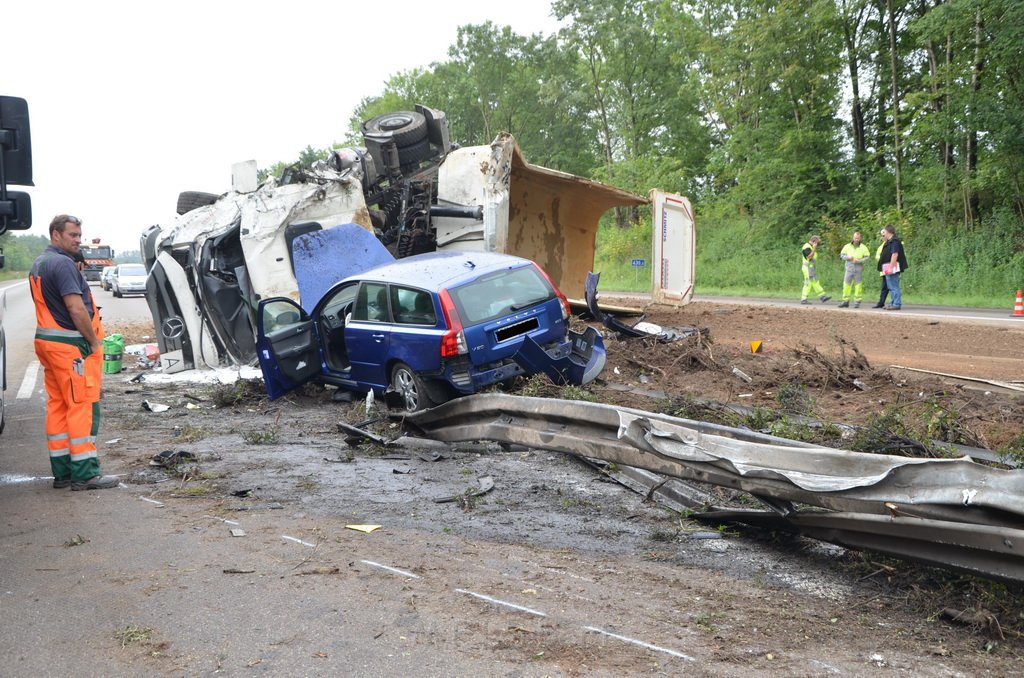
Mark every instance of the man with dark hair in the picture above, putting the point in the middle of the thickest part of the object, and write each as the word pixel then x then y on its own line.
pixel 892 263
pixel 69 345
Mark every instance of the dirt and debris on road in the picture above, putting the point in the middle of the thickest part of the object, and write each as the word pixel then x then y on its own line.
pixel 556 536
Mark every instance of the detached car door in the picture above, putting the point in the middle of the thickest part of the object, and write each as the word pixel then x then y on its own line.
pixel 287 345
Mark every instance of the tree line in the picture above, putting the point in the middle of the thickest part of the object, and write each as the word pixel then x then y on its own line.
pixel 791 114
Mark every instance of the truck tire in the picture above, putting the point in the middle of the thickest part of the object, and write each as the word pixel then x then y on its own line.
pixel 405 128
pixel 414 153
pixel 189 200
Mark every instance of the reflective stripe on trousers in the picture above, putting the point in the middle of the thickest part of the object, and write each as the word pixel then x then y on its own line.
pixel 72 393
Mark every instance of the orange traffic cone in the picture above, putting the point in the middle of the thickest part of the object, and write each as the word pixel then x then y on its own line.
pixel 1018 307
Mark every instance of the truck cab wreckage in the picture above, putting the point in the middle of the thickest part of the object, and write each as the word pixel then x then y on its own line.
pixel 413 189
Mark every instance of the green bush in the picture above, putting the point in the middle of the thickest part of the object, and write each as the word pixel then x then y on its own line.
pixel 980 267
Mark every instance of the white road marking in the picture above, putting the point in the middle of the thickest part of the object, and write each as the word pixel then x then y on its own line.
pixel 28 383
pixel 501 602
pixel 152 501
pixel 298 541
pixel 391 569
pixel 641 643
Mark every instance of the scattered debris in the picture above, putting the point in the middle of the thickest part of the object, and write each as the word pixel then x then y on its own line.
pixel 77 540
pixel 223 520
pixel 838 370
pixel 236 532
pixel 357 435
pixel 236 570
pixel 323 569
pixel 638 329
pixel 486 484
pixel 1012 385
pixel 257 507
pixel 154 407
pixel 171 458
pixel 743 376
pixel 979 618
pixel 367 529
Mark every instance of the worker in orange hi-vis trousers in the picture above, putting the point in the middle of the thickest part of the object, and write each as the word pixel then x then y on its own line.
pixel 69 346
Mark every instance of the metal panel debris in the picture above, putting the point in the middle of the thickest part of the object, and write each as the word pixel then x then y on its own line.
pixel 950 512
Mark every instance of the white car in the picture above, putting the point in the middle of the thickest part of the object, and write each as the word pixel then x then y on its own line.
pixel 107 277
pixel 128 279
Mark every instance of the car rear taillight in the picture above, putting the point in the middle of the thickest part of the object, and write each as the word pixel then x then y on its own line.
pixel 561 297
pixel 453 341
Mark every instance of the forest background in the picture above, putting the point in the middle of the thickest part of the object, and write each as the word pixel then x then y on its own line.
pixel 779 120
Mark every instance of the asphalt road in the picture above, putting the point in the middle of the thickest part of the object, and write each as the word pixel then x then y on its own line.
pixel 80 572
pixel 61 616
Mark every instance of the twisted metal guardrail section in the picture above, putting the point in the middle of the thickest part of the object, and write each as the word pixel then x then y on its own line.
pixel 953 513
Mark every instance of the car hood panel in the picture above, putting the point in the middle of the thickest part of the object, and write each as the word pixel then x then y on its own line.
pixel 323 258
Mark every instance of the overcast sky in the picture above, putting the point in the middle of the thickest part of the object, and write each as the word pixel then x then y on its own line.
pixel 133 102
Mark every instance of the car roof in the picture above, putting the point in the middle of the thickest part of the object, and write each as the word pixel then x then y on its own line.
pixel 435 270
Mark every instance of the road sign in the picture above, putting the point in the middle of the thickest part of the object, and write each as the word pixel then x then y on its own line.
pixel 639 262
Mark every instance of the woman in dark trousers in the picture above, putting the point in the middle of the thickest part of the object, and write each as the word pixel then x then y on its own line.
pixel 878 258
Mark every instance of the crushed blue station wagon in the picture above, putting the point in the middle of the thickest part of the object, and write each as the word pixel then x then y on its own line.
pixel 427 328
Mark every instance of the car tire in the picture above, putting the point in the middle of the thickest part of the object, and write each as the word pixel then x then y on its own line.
pixel 405 127
pixel 190 200
pixel 413 392
pixel 116 292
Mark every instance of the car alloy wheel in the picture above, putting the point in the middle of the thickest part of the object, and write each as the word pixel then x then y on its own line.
pixel 410 387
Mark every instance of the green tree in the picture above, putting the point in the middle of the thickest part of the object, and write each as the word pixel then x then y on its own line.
pixel 769 76
pixel 21 250
pixel 498 81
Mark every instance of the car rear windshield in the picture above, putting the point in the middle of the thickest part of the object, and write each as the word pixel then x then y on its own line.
pixel 500 293
pixel 133 269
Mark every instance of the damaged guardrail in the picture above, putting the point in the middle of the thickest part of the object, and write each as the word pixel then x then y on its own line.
pixel 950 512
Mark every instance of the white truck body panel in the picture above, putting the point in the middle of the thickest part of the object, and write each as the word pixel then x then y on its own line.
pixel 674 249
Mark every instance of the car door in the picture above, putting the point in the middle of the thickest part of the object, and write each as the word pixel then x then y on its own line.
pixel 368 335
pixel 287 345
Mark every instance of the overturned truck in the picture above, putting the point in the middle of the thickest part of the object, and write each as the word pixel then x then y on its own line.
pixel 413 189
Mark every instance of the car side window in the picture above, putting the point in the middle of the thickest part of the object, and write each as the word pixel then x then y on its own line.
pixel 371 302
pixel 412 306
pixel 340 303
pixel 278 314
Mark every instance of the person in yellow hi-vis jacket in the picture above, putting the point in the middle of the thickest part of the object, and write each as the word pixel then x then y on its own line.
pixel 854 253
pixel 809 257
pixel 68 342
